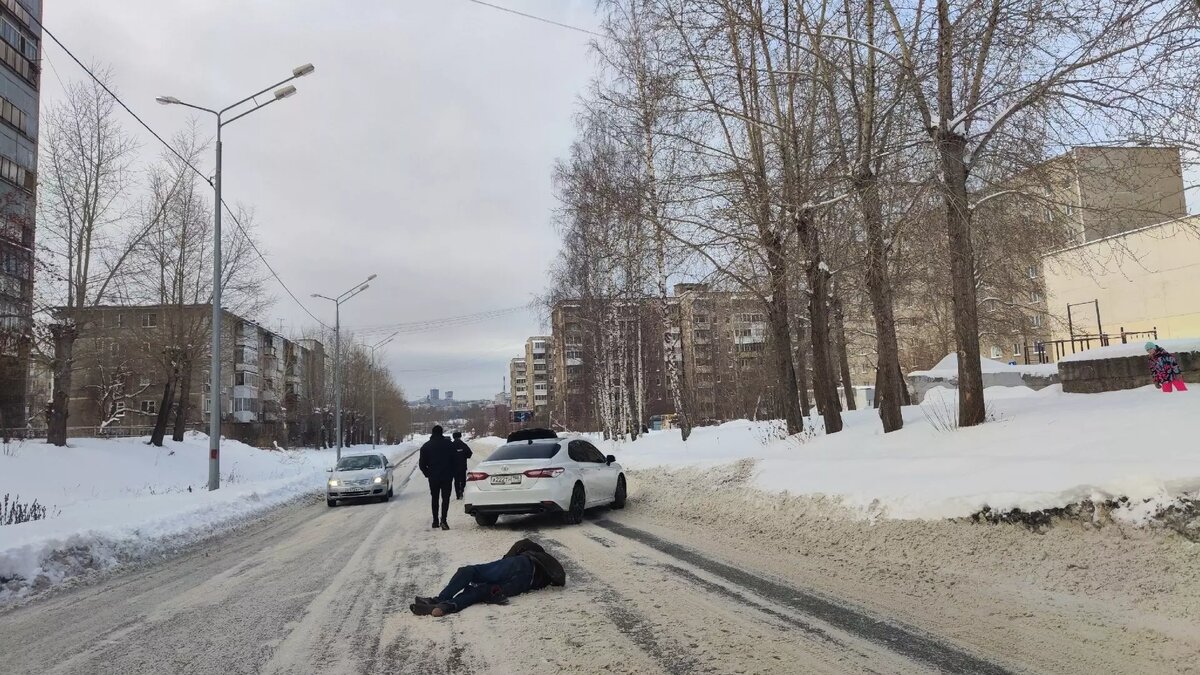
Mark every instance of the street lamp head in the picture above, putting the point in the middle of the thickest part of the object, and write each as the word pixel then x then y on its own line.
pixel 284 92
pixel 364 287
pixel 167 100
pixel 301 71
pixel 372 277
pixel 315 295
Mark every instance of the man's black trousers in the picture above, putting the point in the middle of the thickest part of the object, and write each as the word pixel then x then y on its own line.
pixel 440 488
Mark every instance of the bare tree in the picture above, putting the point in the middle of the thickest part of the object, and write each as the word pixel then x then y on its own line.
pixel 86 157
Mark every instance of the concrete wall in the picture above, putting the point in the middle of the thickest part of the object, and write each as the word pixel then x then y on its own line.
pixel 1143 279
pixel 922 384
pixel 1091 377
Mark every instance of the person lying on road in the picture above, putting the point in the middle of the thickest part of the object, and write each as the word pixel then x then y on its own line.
pixel 526 567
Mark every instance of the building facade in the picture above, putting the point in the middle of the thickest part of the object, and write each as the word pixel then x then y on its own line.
pixel 1141 281
pixel 519 381
pixel 124 359
pixel 1068 203
pixel 20 42
pixel 717 340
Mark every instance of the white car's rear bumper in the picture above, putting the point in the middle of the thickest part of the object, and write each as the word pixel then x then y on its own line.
pixel 542 495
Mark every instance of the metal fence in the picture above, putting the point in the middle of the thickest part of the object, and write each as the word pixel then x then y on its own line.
pixel 1052 351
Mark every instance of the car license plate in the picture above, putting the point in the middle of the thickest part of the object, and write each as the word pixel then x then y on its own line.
pixel 511 479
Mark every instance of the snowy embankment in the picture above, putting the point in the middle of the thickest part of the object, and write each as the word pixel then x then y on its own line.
pixel 111 501
pixel 1039 450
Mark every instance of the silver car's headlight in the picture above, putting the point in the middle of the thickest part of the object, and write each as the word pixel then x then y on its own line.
pixel 378 479
pixel 333 482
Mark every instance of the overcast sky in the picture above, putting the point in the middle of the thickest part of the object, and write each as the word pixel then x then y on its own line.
pixel 420 150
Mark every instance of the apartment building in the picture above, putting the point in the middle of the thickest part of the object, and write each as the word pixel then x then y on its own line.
pixel 519 381
pixel 1087 195
pixel 540 372
pixel 20 40
pixel 717 340
pixel 576 337
pixel 124 358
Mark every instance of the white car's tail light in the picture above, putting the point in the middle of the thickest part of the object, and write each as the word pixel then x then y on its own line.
pixel 476 475
pixel 543 473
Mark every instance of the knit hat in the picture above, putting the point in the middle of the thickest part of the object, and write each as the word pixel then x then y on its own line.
pixel 1150 346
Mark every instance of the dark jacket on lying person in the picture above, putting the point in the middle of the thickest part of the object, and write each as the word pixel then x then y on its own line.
pixel 526 567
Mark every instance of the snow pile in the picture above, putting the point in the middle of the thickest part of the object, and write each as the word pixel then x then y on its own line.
pixel 115 500
pixel 1133 349
pixel 1041 449
pixel 947 368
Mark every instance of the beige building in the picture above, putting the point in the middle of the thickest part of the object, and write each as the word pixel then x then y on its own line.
pixel 539 371
pixel 1069 203
pixel 519 383
pixel 1144 279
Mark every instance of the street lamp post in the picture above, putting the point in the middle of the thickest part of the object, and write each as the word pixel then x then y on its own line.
pixel 214 409
pixel 337 350
pixel 377 345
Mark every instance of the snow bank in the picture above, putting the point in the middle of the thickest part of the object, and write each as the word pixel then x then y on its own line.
pixel 111 500
pixel 948 368
pixel 1040 449
pixel 1133 349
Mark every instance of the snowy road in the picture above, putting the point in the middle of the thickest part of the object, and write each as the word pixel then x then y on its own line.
pixel 312 589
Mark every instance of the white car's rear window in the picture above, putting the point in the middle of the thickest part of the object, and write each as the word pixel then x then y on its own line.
pixel 525 450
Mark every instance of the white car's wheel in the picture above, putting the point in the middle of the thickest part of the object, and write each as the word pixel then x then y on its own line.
pixel 574 514
pixel 619 496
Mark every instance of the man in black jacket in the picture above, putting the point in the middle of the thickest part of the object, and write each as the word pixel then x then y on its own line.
pixel 462 452
pixel 437 463
pixel 526 567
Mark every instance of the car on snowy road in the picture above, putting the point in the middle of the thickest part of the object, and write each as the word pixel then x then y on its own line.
pixel 362 476
pixel 544 475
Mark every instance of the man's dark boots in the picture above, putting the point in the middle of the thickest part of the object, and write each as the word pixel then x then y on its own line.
pixel 445 525
pixel 435 524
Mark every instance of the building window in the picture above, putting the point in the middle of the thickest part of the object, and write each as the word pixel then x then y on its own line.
pixel 1036 321
pixel 1035 296
pixel 1032 271
pixel 120 406
pixel 149 320
pixel 996 352
pixel 150 406
pixel 144 381
pixel 120 320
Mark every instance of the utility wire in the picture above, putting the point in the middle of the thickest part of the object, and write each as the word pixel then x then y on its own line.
pixel 206 179
pixel 536 18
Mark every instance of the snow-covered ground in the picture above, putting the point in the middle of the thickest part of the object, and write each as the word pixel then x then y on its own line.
pixel 114 500
pixel 947 368
pixel 1039 450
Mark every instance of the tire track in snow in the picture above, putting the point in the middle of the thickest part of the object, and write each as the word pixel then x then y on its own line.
pixel 894 637
pixel 669 655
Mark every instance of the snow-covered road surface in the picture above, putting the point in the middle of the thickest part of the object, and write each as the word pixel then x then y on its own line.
pixel 311 589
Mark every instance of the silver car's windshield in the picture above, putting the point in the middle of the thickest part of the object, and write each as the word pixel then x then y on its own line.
pixel 356 463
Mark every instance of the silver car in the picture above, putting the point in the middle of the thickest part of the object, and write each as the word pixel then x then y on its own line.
pixel 360 477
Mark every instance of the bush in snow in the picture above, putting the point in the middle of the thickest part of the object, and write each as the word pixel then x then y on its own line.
pixel 14 512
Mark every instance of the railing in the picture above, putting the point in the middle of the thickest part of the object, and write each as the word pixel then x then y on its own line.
pixel 1052 351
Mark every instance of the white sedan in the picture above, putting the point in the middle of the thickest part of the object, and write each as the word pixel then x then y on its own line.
pixel 544 476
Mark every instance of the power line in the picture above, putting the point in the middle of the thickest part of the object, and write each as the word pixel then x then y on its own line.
pixel 200 173
pixel 536 18
pixel 434 324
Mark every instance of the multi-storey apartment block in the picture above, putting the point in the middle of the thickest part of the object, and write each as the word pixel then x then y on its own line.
pixel 125 355
pixel 20 39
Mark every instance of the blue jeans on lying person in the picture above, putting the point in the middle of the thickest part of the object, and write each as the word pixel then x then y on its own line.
pixel 475 583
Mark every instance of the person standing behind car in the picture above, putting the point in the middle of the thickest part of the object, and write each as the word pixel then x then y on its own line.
pixel 437 463
pixel 462 452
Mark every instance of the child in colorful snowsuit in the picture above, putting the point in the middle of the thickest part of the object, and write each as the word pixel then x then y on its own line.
pixel 1165 369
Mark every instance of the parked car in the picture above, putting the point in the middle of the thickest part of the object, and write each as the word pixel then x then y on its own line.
pixel 544 475
pixel 360 477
